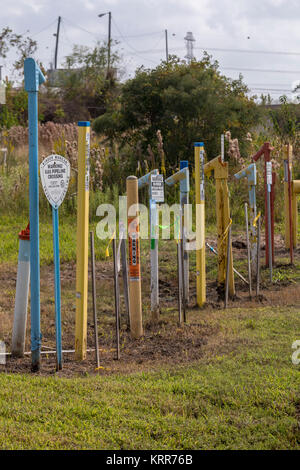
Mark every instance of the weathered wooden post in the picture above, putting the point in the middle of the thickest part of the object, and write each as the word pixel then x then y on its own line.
pixel 288 196
pixel 220 170
pixel 135 289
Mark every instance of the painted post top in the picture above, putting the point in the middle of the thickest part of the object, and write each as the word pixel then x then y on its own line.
pixel 198 144
pixel 219 168
pixel 249 173
pixel 146 179
pixel 182 176
pixel 33 75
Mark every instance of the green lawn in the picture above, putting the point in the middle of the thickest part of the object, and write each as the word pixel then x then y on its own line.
pixel 243 393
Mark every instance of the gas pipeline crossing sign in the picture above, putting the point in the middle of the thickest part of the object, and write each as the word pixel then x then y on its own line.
pixel 55 177
pixel 157 188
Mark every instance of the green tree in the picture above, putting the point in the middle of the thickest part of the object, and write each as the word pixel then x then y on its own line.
pixel 186 103
pixel 86 86
pixel 286 121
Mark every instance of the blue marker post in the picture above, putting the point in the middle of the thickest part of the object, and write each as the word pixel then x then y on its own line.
pixel 55 176
pixel 57 288
pixel 34 78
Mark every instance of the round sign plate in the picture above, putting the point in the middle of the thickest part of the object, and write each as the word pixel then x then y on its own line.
pixel 55 177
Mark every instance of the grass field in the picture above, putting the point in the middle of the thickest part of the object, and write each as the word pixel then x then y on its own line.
pixel 242 394
pixel 223 381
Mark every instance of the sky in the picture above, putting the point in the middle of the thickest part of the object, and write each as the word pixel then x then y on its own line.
pixel 257 38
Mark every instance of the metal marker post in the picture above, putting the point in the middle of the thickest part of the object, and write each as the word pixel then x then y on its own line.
pixel 200 223
pixel 82 239
pixel 222 147
pixel 55 177
pixel 94 299
pixel 149 180
pixel 182 176
pixel 116 290
pixel 250 174
pixel 269 186
pixel 34 78
pixel 258 257
pixel 248 250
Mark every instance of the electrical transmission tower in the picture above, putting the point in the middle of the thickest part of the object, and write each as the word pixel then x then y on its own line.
pixel 189 38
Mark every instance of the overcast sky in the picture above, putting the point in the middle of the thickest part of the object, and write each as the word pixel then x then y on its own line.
pixel 139 25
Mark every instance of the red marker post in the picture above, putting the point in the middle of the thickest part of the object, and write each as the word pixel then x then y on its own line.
pixel 265 152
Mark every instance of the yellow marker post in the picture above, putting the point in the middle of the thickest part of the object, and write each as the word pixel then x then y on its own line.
pixel 295 193
pixel 82 239
pixel 220 170
pixel 288 198
pixel 135 289
pixel 200 224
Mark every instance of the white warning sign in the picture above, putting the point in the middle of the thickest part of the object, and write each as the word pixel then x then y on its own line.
pixel 55 177
pixel 157 188
pixel 269 172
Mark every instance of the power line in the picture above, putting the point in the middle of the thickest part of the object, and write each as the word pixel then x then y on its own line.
pixel 272 89
pixel 261 70
pixel 248 51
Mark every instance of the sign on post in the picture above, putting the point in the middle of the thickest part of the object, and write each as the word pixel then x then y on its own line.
pixel 269 173
pixel 55 177
pixel 157 188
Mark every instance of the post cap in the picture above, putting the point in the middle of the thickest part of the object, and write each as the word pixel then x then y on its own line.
pixel 198 144
pixel 83 124
pixel 25 234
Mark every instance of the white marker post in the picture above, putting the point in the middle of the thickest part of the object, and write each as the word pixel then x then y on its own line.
pixel 269 186
pixel 55 177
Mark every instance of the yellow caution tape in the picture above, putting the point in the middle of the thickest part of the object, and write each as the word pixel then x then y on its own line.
pixel 256 219
pixel 225 232
pixel 107 248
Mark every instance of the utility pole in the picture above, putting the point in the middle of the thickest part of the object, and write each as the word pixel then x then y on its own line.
pixel 167 48
pixel 109 38
pixel 109 41
pixel 56 43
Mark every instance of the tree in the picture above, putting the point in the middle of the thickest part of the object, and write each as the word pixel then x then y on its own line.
pixel 24 47
pixel 85 85
pixel 186 103
pixel 286 121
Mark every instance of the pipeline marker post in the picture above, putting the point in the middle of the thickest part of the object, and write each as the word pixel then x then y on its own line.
pixel 220 170
pixel 135 289
pixel 258 257
pixel 269 222
pixel 265 152
pixel 184 201
pixel 179 274
pixel 22 291
pixel 117 296
pixel 55 177
pixel 288 213
pixel 124 270
pixel 34 78
pixel 155 182
pixel 93 270
pixel 82 239
pixel 228 266
pixel 248 250
pixel 250 174
pixel 200 224
pixel 182 176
